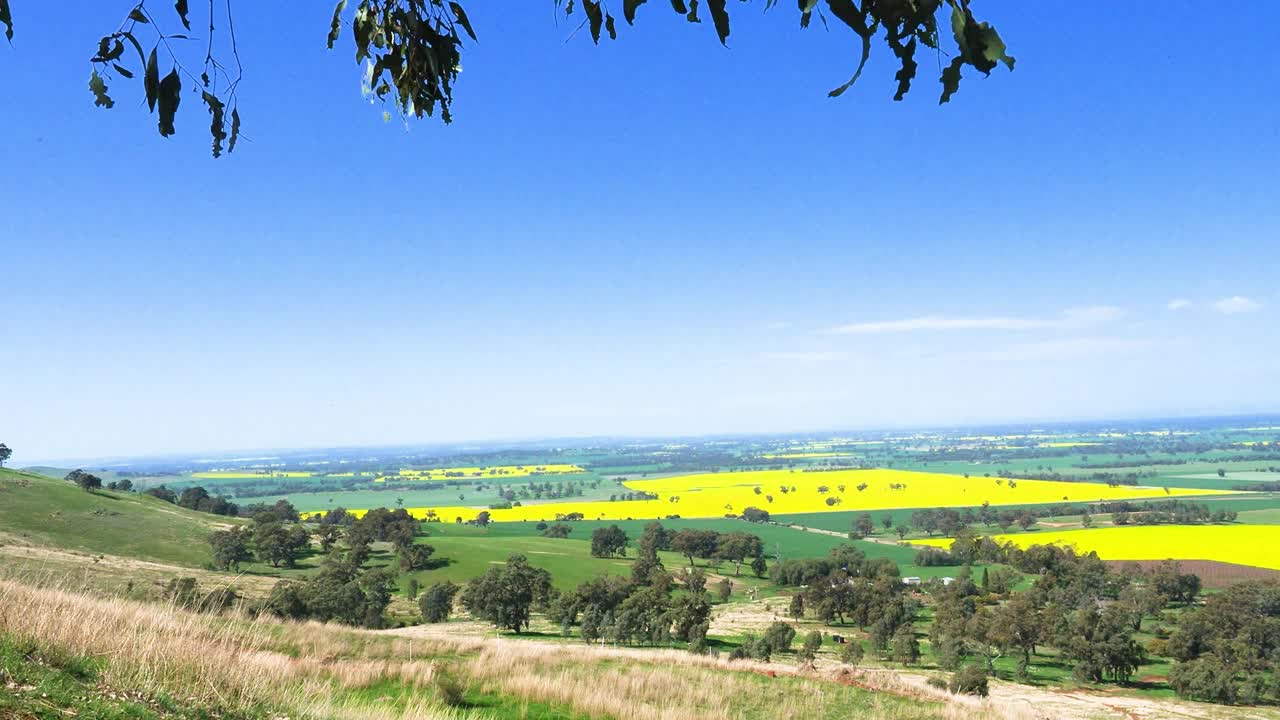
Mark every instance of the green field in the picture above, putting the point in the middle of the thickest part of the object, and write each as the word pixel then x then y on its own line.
pixel 35 509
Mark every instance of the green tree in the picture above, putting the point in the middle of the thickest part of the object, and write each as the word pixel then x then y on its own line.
pixel 906 648
pixel 413 49
pixel 851 652
pixel 87 482
pixel 864 525
pixel 809 649
pixel 779 636
pixel 609 542
pixel 415 557
pixel 5 454
pixel 505 595
pixel 230 548
pixel 436 603
pixel 724 589
pixel 695 543
pixel 737 547
pixel 796 607
pixel 277 544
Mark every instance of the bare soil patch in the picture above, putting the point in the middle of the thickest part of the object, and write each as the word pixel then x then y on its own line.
pixel 1213 574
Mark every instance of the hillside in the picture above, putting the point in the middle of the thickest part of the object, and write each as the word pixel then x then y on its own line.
pixel 38 510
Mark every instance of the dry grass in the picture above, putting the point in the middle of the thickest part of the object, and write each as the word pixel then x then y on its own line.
pixel 326 671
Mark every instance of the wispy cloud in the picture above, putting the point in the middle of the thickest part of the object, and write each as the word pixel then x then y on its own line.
pixel 1073 318
pixel 1237 304
pixel 801 356
pixel 1178 304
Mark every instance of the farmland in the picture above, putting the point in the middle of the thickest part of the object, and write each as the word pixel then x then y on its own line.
pixel 783 491
pixel 1253 545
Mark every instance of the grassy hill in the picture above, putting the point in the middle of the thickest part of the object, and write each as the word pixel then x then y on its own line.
pixel 38 510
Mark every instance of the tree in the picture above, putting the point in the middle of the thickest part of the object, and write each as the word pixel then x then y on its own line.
pixel 327 534
pixel 415 557
pixel 276 544
pixel 86 481
pixel 437 602
pixel 482 518
pixel 413 49
pixel 755 514
pixel 902 531
pixel 906 649
pixel 851 653
pixel 695 543
pixel 795 609
pixel 505 595
pixel 737 547
pixel 654 538
pixel 864 525
pixel 779 637
pixel 559 530
pixel 724 589
pixel 609 542
pixel 5 452
pixel 809 650
pixel 230 548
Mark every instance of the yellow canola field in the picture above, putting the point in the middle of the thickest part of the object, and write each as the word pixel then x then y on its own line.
pixel 1241 544
pixel 718 494
pixel 506 471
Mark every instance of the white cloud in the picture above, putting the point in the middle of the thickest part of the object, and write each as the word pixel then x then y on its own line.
pixel 1178 304
pixel 1071 318
pixel 1237 304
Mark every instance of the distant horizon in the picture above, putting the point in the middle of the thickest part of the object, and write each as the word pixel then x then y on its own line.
pixel 514 443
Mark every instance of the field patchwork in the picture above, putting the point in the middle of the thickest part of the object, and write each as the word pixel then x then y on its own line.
pixel 785 491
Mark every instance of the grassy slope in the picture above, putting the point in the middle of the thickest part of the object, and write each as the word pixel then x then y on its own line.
pixel 39 510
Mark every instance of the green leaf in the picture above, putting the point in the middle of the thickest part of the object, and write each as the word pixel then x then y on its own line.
pixel 335 26
pixel 678 6
pixel 218 124
pixel 461 15
pixel 951 79
pixel 151 81
pixel 181 7
pixel 120 69
pixel 142 57
pixel 692 15
pixel 99 89
pixel 720 17
pixel 595 17
pixel 137 15
pixel 167 100
pixel 7 18
pixel 629 10
pixel 609 27
pixel 235 130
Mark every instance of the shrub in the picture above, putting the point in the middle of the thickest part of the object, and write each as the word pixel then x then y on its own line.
pixel 451 690
pixel 851 653
pixel 971 680
pixel 779 637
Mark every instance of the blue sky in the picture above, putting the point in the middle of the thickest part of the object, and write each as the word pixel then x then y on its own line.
pixel 653 236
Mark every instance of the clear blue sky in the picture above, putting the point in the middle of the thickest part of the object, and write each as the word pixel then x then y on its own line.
pixel 653 236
